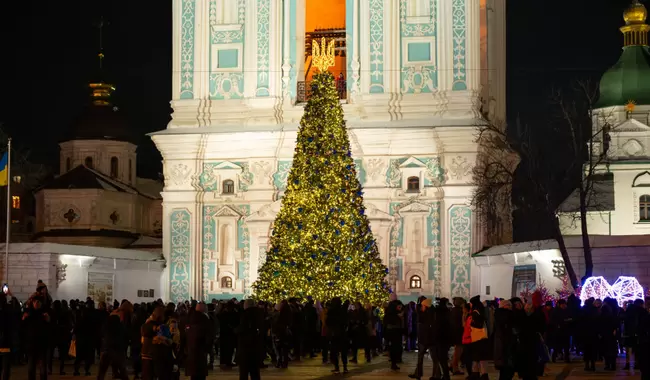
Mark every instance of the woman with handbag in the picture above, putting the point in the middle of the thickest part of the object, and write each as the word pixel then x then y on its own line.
pixel 479 346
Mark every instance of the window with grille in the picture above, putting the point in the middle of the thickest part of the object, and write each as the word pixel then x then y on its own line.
pixel 644 208
pixel 228 186
pixel 413 184
pixel 415 282
pixel 226 283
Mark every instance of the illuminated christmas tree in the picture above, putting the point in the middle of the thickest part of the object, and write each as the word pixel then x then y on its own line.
pixel 321 243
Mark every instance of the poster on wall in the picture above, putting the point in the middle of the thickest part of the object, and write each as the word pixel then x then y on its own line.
pixel 100 287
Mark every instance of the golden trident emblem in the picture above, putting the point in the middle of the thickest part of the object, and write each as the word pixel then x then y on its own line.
pixel 321 57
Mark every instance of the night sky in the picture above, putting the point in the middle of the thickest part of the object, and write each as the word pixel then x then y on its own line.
pixel 49 55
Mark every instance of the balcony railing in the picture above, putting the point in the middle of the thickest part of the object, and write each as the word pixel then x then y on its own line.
pixel 304 90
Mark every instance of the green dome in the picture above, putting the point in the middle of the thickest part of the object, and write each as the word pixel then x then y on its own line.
pixel 628 79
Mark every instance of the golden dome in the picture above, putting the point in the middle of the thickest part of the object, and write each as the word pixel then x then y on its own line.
pixel 636 13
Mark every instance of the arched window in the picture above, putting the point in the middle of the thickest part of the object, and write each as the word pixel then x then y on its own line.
pixel 644 208
pixel 228 186
pixel 115 163
pixel 226 283
pixel 413 184
pixel 67 164
pixel 415 282
pixel 88 162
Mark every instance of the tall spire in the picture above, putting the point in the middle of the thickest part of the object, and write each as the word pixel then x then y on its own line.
pixel 635 31
pixel 100 55
pixel 101 92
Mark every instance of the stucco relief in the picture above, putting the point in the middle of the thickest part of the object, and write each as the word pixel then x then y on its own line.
pixel 460 168
pixel 262 172
pixel 375 169
pixel 633 148
pixel 179 174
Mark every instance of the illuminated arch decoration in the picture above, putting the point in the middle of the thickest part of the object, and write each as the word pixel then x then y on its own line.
pixel 625 289
pixel 596 288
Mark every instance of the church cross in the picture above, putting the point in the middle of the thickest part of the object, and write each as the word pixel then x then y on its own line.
pixel 100 26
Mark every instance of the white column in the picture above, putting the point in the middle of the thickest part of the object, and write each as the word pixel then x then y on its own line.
pixel 166 250
pixel 177 12
pixel 473 44
pixel 275 49
pixel 445 262
pixel 202 51
pixel 250 49
pixel 286 64
pixel 392 41
pixel 497 56
pixel 355 57
pixel 364 46
pixel 445 46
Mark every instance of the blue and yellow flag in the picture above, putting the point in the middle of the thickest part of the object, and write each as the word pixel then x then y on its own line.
pixel 4 169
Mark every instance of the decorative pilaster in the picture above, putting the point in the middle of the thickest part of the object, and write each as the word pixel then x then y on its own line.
pixel 187 50
pixel 459 44
pixel 460 245
pixel 180 222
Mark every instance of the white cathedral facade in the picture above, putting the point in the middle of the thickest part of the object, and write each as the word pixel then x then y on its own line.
pixel 415 76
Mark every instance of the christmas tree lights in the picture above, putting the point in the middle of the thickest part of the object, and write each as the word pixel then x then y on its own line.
pixel 321 244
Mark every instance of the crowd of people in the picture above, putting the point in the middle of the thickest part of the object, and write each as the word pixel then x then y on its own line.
pixel 161 341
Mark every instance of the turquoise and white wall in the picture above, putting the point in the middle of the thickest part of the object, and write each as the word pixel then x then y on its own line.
pixel 414 88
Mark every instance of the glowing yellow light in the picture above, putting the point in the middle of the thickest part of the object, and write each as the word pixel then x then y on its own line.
pixel 321 244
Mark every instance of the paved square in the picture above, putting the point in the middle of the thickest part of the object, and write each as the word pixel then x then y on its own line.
pixel 313 369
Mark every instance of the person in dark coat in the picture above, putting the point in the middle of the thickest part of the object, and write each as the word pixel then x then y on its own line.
pixel 608 331
pixel 442 340
pixel 560 324
pixel 198 344
pixel 250 341
pixel 115 342
pixel 425 320
pixel 61 322
pixel 504 341
pixel 394 330
pixel 589 333
pixel 228 321
pixel 312 329
pixel 281 332
pixel 480 350
pixel 337 326
pixel 148 332
pixel 642 354
pixel 457 326
pixel 85 337
pixel 36 322
pixel 7 326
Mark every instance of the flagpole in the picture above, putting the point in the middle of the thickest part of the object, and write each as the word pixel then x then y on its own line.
pixel 8 210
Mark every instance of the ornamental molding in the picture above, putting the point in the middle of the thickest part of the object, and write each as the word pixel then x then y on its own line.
pixel 266 213
pixel 227 211
pixel 414 208
pixel 411 163
pixel 179 174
